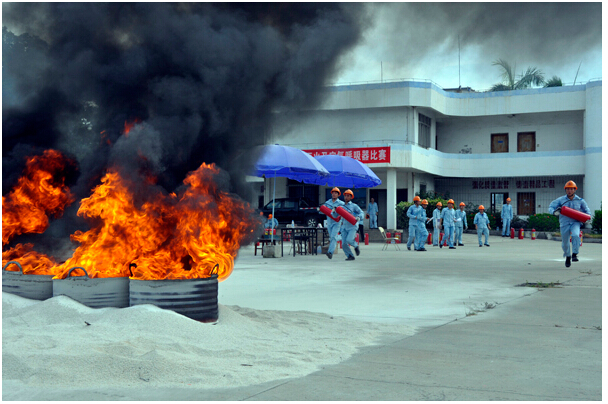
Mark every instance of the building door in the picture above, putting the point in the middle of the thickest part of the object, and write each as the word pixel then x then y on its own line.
pixel 526 141
pixel 497 200
pixel 526 203
pixel 379 196
pixel 500 143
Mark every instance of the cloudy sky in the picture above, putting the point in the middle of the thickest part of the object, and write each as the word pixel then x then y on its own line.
pixel 420 40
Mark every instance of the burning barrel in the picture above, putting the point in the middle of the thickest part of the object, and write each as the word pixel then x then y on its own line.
pixel 93 292
pixel 37 287
pixel 193 298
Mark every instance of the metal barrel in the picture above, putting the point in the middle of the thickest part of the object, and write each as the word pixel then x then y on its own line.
pixel 193 298
pixel 37 287
pixel 96 293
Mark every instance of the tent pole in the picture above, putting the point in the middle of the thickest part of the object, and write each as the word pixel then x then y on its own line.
pixel 274 191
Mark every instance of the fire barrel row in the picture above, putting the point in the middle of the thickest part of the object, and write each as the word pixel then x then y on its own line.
pixel 193 298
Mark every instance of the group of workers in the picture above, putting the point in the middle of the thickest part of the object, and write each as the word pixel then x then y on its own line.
pixel 451 221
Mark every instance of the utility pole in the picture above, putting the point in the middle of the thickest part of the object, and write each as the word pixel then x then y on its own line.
pixel 459 61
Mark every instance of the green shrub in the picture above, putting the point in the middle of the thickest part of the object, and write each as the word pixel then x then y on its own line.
pixel 402 220
pixel 543 222
pixel 519 223
pixel 596 223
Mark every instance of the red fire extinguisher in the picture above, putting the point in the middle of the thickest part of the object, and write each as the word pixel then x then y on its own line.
pixel 512 232
pixel 521 234
pixel 580 234
pixel 429 239
pixel 533 236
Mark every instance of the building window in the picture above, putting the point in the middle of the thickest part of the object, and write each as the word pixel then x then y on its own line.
pixel 424 131
pixel 526 141
pixel 526 203
pixel 500 143
pixel 497 200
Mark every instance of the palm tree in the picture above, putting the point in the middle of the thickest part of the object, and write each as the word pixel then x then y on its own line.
pixel 554 82
pixel 532 76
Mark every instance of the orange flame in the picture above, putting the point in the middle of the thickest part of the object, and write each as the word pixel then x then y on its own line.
pixel 33 263
pixel 40 192
pixel 167 236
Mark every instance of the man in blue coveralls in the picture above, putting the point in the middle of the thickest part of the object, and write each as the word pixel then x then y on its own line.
pixel 436 224
pixel 569 227
pixel 421 232
pixel 372 211
pixel 482 224
pixel 333 227
pixel 349 231
pixel 461 223
pixel 412 214
pixel 447 222
pixel 506 215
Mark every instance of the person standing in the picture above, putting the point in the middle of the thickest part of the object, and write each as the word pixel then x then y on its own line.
pixel 350 230
pixel 372 211
pixel 333 227
pixel 436 219
pixel 506 215
pixel 568 226
pixel 482 225
pixel 421 231
pixel 412 214
pixel 448 220
pixel 461 223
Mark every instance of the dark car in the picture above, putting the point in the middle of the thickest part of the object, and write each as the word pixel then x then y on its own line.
pixel 301 210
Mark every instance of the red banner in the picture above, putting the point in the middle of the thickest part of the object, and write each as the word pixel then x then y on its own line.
pixel 366 155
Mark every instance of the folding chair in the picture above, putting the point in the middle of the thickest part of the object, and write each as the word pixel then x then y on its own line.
pixel 388 240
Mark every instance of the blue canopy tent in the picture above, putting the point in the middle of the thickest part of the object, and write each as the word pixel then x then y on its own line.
pixel 289 162
pixel 346 172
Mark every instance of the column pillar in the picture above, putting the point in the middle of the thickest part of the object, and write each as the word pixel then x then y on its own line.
pixel 391 198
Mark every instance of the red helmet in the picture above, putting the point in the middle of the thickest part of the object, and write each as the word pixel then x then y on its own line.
pixel 416 198
pixel 336 189
pixel 451 201
pixel 481 207
pixel 462 204
pixel 439 203
pixel 570 184
pixel 348 191
pixel 424 202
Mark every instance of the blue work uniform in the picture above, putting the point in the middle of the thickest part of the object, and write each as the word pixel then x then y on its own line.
pixel 569 227
pixel 271 223
pixel 461 223
pixel 333 227
pixel 349 231
pixel 372 211
pixel 506 215
pixel 448 224
pixel 436 231
pixel 421 231
pixel 482 221
pixel 412 214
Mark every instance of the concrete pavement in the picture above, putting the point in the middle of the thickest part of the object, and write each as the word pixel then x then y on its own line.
pixel 479 335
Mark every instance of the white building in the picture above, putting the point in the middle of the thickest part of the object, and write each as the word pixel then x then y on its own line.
pixel 478 147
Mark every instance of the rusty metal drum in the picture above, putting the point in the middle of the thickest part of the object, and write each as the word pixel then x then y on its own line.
pixel 193 298
pixel 96 293
pixel 37 287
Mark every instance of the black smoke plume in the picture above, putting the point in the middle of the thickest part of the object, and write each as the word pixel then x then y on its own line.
pixel 199 79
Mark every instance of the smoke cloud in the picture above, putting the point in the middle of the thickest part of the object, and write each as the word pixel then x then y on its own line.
pixel 201 79
pixel 420 40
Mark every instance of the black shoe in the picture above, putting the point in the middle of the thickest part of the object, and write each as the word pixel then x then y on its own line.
pixel 350 258
pixel 441 245
pixel 480 245
pixel 460 245
pixel 487 245
pixel 408 247
pixel 574 257
pixel 357 250
pixel 567 262
pixel 452 248
pixel 422 249
pixel 329 255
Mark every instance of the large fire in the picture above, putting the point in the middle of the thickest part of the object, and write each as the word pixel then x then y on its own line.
pixel 187 235
pixel 41 192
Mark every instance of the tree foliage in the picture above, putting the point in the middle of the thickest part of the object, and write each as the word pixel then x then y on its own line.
pixel 531 77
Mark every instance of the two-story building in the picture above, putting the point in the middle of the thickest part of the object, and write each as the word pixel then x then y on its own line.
pixel 475 147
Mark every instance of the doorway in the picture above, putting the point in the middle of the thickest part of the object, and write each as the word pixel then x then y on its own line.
pixel 379 196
